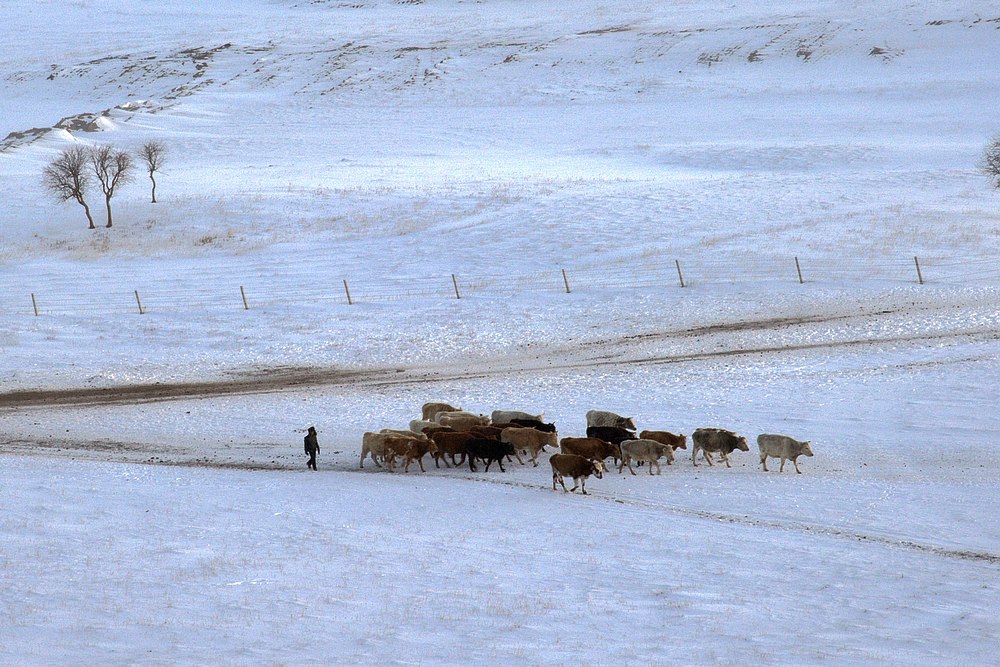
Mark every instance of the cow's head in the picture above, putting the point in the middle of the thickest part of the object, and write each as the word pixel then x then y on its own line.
pixel 806 449
pixel 598 469
pixel 627 423
pixel 741 444
pixel 682 441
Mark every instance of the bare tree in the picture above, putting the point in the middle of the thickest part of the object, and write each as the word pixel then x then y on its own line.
pixel 153 154
pixel 113 168
pixel 67 178
pixel 990 164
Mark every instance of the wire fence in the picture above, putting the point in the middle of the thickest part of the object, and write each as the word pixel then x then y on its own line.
pixel 208 286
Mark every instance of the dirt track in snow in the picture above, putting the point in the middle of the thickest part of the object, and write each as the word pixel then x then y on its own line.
pixel 590 354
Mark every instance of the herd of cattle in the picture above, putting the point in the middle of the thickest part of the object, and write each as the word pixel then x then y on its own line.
pixel 449 433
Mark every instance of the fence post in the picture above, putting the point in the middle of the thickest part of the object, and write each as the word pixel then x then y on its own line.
pixel 565 281
pixel 920 276
pixel 348 290
pixel 141 312
pixel 454 281
pixel 244 295
pixel 798 269
pixel 679 274
pixel 34 304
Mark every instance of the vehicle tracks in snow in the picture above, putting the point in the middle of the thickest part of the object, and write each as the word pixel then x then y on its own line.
pixel 774 524
pixel 591 354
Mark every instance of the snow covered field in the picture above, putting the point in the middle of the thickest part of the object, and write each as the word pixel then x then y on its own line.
pixel 393 144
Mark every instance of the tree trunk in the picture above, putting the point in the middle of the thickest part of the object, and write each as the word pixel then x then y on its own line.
pixel 154 186
pixel 86 210
pixel 107 202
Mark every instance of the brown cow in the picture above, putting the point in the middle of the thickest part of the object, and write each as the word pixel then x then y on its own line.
pixel 577 467
pixel 412 451
pixel 594 449
pixel 452 443
pixel 678 441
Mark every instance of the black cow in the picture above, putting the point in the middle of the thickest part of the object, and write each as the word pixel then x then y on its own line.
pixel 612 434
pixel 535 424
pixel 489 451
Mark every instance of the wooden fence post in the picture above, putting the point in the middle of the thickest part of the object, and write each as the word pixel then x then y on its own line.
pixel 679 274
pixel 565 281
pixel 798 269
pixel 454 281
pixel 244 295
pixel 348 290
pixel 141 312
pixel 920 276
pixel 34 304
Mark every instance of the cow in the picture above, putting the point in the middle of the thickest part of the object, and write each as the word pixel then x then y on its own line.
pixel 604 418
pixel 412 450
pixel 782 447
pixel 535 424
pixel 430 410
pixel 462 421
pixel 504 416
pixel 678 441
pixel 529 439
pixel 376 445
pixel 492 432
pixel 594 449
pixel 645 450
pixel 488 451
pixel 451 443
pixel 405 433
pixel 577 467
pixel 612 434
pixel 418 425
pixel 719 440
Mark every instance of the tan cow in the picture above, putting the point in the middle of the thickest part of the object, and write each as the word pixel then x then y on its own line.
pixel 645 450
pixel 530 439
pixel 782 447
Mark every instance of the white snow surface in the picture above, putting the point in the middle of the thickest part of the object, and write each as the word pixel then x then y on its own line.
pixel 424 150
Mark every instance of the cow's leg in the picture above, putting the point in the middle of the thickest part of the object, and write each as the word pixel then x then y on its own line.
pixel 694 455
pixel 421 462
pixel 795 462
pixel 782 468
pixel 518 456
pixel 583 486
pixel 621 465
pixel 763 462
pixel 472 463
pixel 657 464
pixel 555 476
pixel 364 453
pixel 500 463
pixel 628 459
pixel 708 456
pixel 725 457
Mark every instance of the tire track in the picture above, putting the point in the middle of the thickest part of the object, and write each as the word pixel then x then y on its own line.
pixel 135 454
pixel 774 524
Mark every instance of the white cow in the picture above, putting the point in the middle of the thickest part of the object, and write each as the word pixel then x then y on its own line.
pixel 782 447
pixel 604 418
pixel 507 416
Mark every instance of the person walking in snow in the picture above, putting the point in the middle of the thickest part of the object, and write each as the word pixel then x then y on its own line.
pixel 312 447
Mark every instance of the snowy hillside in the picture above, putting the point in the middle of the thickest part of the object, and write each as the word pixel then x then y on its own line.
pixel 513 193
